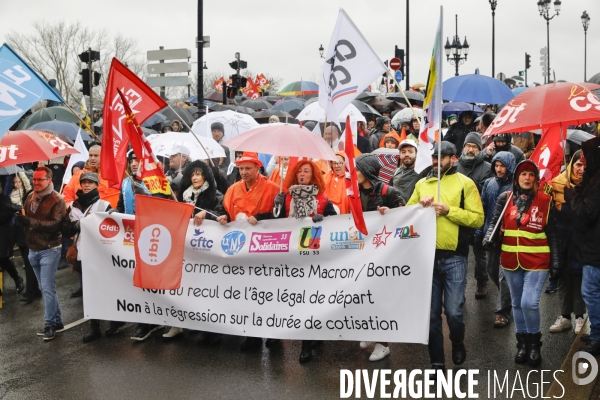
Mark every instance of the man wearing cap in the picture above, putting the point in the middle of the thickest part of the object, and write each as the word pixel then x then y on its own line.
pixel 458 210
pixel 218 132
pixel 42 223
pixel 252 197
pixel 472 164
pixel 178 160
pixel 405 177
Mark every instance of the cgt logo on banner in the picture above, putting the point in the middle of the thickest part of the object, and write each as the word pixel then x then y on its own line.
pixel 128 226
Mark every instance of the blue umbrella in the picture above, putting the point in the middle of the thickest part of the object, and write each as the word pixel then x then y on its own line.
pixel 288 105
pixel 475 88
pixel 458 107
pixel 66 128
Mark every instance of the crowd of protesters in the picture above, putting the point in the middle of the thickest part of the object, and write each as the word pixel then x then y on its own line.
pixel 491 200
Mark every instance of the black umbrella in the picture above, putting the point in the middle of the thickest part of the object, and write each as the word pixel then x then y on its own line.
pixel 240 109
pixel 366 96
pixel 415 98
pixel 266 114
pixel 595 79
pixel 183 114
pixel 257 104
pixel 272 99
pixel 366 109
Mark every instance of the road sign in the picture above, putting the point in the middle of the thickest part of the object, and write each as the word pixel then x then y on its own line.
pixel 173 54
pixel 205 41
pixel 395 64
pixel 169 68
pixel 159 81
pixel 501 77
pixel 398 76
pixel 544 50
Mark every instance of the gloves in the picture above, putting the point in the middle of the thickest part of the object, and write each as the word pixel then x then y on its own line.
pixel 112 210
pixel 555 272
pixel 22 220
pixel 317 218
pixel 280 199
pixel 487 244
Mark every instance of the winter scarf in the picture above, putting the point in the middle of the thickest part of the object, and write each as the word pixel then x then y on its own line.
pixel 39 196
pixel 190 196
pixel 84 200
pixel 303 200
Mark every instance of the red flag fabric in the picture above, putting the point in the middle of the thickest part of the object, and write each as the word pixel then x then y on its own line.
pixel 159 242
pixel 142 100
pixel 218 85
pixel 548 155
pixel 352 182
pixel 148 170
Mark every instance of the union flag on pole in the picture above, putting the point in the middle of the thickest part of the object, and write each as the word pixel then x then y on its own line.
pixel 352 182
pixel 142 100
pixel 148 170
pixel 159 242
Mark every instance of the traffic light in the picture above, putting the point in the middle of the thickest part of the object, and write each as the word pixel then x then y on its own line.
pixel 85 81
pixel 234 65
pixel 399 53
pixel 527 61
pixel 85 56
pixel 243 64
pixel 97 76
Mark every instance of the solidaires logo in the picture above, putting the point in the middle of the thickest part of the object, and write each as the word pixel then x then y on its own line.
pixel 154 244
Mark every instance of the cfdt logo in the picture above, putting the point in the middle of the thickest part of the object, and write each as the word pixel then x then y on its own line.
pixel 129 238
pixel 233 242
pixel 154 244
pixel 109 228
pixel 406 232
pixel 310 237
pixel 351 239
pixel 199 242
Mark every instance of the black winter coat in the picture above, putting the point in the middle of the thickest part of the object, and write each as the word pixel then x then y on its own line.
pixel 7 212
pixel 477 169
pixel 210 199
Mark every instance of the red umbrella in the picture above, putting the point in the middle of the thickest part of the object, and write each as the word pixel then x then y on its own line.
pixel 18 147
pixel 557 104
pixel 283 140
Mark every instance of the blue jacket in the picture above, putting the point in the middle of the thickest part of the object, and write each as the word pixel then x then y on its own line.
pixel 494 186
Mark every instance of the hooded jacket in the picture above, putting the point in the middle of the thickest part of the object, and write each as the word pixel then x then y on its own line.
pixel 210 199
pixel 373 197
pixel 377 134
pixel 458 132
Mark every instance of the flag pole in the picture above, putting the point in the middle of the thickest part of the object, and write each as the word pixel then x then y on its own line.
pixel 563 143
pixel 193 134
pixel 403 94
pixel 83 124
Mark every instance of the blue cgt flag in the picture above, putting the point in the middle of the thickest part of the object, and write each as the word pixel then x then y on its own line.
pixel 20 88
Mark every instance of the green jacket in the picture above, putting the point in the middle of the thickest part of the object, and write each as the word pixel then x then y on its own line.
pixel 452 230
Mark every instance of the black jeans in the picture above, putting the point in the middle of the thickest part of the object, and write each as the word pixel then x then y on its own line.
pixel 7 264
pixel 32 286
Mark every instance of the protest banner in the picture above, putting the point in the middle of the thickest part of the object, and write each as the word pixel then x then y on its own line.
pixel 283 278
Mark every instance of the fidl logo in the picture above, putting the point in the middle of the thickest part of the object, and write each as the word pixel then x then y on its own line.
pixel 351 239
pixel 406 232
pixel 310 237
pixel 199 242
pixel 233 242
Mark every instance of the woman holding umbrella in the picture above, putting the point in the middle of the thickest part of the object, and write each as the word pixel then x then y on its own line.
pixel 305 198
pixel 530 247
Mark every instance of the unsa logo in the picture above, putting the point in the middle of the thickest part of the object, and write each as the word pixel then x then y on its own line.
pixel 109 228
pixel 154 244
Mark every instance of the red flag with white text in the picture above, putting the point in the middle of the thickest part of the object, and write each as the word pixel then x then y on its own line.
pixel 352 182
pixel 143 102
pixel 148 171
pixel 159 242
pixel 548 155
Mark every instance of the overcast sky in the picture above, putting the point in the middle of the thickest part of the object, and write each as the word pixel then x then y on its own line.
pixel 282 37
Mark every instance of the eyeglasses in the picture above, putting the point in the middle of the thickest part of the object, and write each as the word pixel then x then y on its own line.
pixel 337 163
pixel 40 179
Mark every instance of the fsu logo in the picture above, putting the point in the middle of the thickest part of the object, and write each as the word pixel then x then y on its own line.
pixel 310 238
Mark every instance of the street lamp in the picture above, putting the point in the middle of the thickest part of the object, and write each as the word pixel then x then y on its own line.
pixel 585 20
pixel 321 50
pixel 205 67
pixel 456 53
pixel 544 9
pixel 493 4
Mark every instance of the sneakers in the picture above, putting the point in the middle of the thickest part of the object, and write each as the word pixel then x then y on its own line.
pixel 481 292
pixel 49 332
pixel 57 329
pixel 579 322
pixel 379 352
pixel 561 324
pixel 143 332
pixel 364 345
pixel 173 333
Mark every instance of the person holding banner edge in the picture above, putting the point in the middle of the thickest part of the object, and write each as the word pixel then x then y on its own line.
pixel 458 208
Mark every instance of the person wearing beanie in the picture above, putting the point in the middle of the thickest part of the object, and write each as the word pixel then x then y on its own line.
pixel 452 119
pixel 218 132
pixel 390 141
pixel 375 196
pixel 273 119
pixel 78 166
pixel 502 142
pixel 458 132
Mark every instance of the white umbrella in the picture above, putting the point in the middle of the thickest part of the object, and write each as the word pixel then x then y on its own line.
pixel 233 122
pixel 407 114
pixel 314 112
pixel 162 145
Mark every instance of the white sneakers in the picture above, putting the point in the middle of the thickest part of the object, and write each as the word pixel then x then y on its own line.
pixel 579 325
pixel 174 331
pixel 561 324
pixel 364 345
pixel 379 352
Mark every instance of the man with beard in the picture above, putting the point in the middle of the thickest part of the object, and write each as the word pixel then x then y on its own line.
pixel 472 164
pixel 405 177
pixel 502 142
pixel 458 210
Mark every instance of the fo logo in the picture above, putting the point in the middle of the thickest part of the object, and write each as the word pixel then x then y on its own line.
pixel 233 242
pixel 128 224
pixel 154 244
pixel 109 228
pixel 310 237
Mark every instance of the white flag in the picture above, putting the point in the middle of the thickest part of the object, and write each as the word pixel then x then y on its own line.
pixel 82 156
pixel 350 66
pixel 432 105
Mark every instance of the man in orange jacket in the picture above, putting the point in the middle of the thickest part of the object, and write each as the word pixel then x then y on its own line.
pixel 107 193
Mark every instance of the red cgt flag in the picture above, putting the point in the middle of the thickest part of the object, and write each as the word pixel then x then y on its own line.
pixel 159 242
pixel 548 155
pixel 142 100
pixel 352 182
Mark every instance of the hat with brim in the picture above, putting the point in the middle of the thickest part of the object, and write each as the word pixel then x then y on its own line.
pixel 447 149
pixel 249 157
pixel 89 176
pixel 407 142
